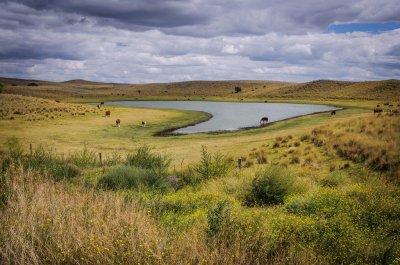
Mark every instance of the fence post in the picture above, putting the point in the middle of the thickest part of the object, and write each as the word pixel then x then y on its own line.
pixel 30 148
pixel 239 163
pixel 100 158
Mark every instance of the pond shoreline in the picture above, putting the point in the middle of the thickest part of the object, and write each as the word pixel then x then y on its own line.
pixel 170 131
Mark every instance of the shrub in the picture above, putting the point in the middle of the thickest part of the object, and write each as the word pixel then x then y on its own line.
pixel 238 89
pixel 46 161
pixel 84 158
pixel 218 217
pixel 144 158
pixel 189 177
pixel 270 186
pixel 334 179
pixel 213 165
pixel 130 177
pixel 15 150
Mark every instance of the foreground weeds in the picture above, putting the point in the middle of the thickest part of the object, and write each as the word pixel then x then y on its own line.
pixel 327 197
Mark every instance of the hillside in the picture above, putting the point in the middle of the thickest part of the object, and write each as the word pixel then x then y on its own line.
pixel 259 90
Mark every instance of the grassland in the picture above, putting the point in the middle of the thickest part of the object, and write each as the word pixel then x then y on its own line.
pixel 332 182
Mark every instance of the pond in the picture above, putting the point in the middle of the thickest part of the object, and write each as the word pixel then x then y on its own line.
pixel 229 116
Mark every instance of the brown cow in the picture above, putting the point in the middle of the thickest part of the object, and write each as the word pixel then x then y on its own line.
pixel 333 112
pixel 378 110
pixel 108 113
pixel 264 120
pixel 118 122
pixel 378 106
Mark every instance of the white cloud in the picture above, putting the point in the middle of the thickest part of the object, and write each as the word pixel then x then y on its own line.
pixel 265 40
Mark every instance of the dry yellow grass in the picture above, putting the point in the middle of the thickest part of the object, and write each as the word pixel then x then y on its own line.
pixel 31 108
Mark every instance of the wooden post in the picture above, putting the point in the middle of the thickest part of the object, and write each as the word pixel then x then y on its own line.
pixel 30 148
pixel 101 161
pixel 239 163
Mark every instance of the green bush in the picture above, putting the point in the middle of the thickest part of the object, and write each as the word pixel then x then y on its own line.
pixel 213 165
pixel 189 177
pixel 324 203
pixel 15 150
pixel 218 217
pixel 270 186
pixel 143 157
pixel 46 161
pixel 334 179
pixel 130 177
pixel 84 158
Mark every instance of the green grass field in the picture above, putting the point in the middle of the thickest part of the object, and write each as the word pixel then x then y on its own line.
pixel 317 189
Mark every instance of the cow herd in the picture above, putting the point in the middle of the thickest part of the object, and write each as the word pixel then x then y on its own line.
pixel 389 108
pixel 117 121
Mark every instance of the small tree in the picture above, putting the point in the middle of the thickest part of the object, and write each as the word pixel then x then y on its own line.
pixel 238 89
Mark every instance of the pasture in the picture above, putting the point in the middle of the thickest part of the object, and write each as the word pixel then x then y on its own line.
pixel 317 189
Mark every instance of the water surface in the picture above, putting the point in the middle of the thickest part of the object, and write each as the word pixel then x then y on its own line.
pixel 229 116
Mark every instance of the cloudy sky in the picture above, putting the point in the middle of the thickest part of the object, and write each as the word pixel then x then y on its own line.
pixel 131 41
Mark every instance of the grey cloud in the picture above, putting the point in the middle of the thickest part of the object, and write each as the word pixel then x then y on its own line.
pixel 191 40
pixel 213 18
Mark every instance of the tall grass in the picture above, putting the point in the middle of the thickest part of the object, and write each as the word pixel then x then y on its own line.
pixel 373 140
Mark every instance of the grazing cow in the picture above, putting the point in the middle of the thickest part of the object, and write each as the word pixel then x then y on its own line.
pixel 378 106
pixel 57 101
pixel 143 124
pixel 386 103
pixel 264 120
pixel 108 113
pixel 333 112
pixel 101 103
pixel 118 122
pixel 391 105
pixel 378 110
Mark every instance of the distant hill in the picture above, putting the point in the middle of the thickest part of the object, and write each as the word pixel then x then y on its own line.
pixel 262 90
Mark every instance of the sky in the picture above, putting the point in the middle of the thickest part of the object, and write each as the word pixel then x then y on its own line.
pixel 129 41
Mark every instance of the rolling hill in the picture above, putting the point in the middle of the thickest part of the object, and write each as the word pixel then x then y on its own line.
pixel 260 90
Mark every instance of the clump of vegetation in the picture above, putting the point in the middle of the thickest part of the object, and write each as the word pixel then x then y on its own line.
pixel 85 158
pixel 334 179
pixel 213 165
pixel 130 177
pixel 259 156
pixel 238 89
pixel 42 160
pixel 143 157
pixel 217 218
pixel 270 186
